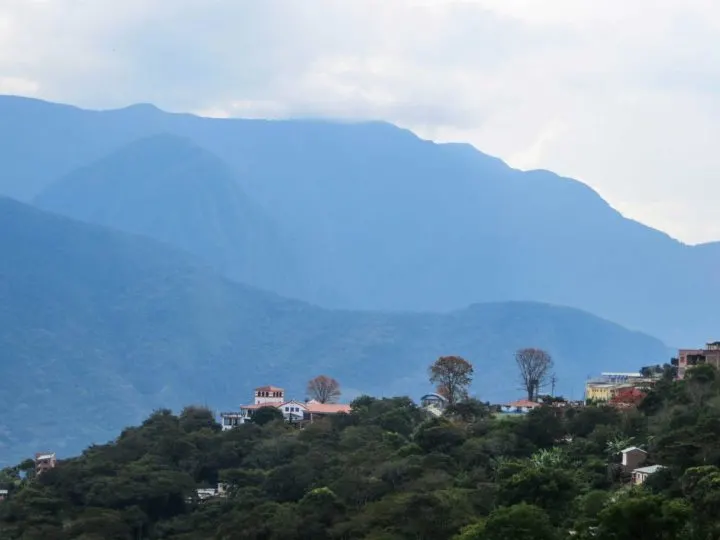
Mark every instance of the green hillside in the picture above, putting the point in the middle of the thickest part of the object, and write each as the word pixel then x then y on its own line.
pixel 97 328
pixel 388 472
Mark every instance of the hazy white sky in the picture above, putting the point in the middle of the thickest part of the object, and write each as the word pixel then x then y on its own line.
pixel 623 95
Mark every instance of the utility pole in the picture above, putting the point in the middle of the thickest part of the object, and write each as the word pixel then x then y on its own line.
pixel 553 381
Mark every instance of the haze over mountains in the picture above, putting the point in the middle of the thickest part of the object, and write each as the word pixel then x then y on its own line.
pixel 359 216
pixel 98 327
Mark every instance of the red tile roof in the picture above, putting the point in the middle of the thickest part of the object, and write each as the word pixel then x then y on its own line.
pixel 326 408
pixel 256 406
pixel 269 389
pixel 523 403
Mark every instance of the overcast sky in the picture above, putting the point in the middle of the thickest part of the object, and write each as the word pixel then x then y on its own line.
pixel 621 94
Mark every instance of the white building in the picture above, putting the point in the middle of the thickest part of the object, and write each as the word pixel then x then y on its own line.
pixel 640 475
pixel 292 410
pixel 521 406
pixel 433 403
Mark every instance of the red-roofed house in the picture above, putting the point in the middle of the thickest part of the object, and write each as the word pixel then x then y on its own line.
pixel 521 406
pixel 293 411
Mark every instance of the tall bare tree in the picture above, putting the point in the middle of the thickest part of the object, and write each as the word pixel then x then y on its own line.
pixel 323 389
pixel 452 375
pixel 535 366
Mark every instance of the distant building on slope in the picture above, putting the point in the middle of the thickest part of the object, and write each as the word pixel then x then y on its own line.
pixel 44 462
pixel 640 475
pixel 632 458
pixel 434 403
pixel 688 358
pixel 3 494
pixel 292 410
pixel 617 388
pixel 521 406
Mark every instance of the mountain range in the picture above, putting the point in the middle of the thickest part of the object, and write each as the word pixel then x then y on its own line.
pixel 356 215
pixel 99 326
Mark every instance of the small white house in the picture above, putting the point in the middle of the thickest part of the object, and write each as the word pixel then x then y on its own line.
pixel 521 406
pixel 3 494
pixel 433 403
pixel 640 475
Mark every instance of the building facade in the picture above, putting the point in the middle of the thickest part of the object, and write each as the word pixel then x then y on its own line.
pixel 640 475
pixel 688 358
pixel 632 458
pixel 610 385
pixel 522 406
pixel 44 462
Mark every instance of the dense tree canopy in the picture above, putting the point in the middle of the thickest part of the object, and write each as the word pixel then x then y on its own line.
pixel 390 471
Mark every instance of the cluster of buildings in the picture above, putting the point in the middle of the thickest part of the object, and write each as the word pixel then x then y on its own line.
pixel 293 411
pixel 632 460
pixel 619 389
pixel 44 461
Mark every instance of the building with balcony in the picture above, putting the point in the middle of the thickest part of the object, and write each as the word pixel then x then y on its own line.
pixel 688 358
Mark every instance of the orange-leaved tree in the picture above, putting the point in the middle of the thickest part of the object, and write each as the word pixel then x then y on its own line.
pixel 452 375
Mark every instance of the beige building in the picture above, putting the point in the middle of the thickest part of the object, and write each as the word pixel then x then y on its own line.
pixel 632 458
pixel 640 475
pixel 688 358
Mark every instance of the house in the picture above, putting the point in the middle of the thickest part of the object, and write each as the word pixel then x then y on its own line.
pixel 433 403
pixel 44 462
pixel 206 493
pixel 315 410
pixel 293 411
pixel 3 494
pixel 522 406
pixel 640 475
pixel 632 458
pixel 688 358
pixel 272 396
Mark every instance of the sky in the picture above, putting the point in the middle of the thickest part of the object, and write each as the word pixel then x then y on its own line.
pixel 621 95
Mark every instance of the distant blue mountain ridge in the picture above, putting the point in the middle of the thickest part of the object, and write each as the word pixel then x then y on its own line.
pixel 356 216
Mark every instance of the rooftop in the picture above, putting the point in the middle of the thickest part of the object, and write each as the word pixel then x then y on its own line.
pixel 523 403
pixel 649 470
pixel 434 395
pixel 42 457
pixel 632 448
pixel 326 408
pixel 269 389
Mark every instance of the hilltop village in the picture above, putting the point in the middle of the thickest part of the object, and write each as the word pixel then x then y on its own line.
pixel 444 467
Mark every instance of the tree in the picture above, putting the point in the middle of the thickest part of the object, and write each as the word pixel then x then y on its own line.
pixel 534 366
pixel 452 374
pixel 265 415
pixel 518 522
pixel 324 389
pixel 642 517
